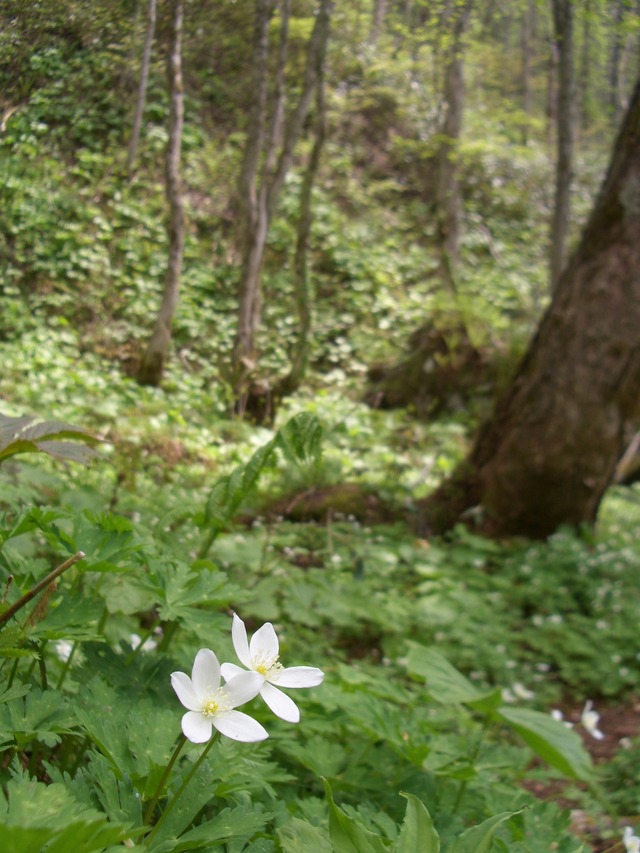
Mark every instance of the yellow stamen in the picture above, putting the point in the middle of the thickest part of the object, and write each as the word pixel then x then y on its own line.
pixel 210 708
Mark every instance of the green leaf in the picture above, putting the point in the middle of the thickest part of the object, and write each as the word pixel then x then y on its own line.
pixel 35 816
pixel 17 436
pixel 347 834
pixel 554 742
pixel 240 822
pixel 418 834
pixel 298 836
pixel 479 838
pixel 444 682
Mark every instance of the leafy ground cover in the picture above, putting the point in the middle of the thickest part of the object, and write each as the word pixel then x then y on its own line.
pixel 443 659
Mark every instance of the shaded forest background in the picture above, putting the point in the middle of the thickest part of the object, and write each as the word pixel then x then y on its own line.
pixel 309 225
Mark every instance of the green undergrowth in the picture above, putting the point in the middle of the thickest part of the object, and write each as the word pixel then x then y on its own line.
pixel 442 659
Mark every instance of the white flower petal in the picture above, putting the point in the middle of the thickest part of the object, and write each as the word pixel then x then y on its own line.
pixel 280 704
pixel 230 670
pixel 242 688
pixel 206 673
pixel 196 727
pixel 239 726
pixel 183 686
pixel 264 642
pixel 298 676
pixel 240 642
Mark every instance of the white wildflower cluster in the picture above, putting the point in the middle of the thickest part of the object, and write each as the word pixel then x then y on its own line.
pixel 588 719
pixel 212 704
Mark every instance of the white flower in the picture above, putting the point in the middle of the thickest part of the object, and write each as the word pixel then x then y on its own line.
pixel 261 656
pixel 589 719
pixel 559 717
pixel 521 691
pixel 63 650
pixel 631 842
pixel 211 706
pixel 148 646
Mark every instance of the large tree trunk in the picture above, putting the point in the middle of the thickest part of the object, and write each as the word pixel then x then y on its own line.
pixel 153 362
pixel 550 451
pixel 563 25
pixel 142 87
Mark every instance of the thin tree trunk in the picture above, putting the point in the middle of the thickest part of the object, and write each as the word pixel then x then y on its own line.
pixel 527 34
pixel 153 362
pixel 377 21
pixel 142 87
pixel 550 451
pixel 614 62
pixel 448 193
pixel 277 159
pixel 563 24
pixel 300 353
pixel 586 107
pixel 251 200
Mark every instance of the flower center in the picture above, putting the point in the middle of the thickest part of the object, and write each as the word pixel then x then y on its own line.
pixel 215 704
pixel 266 665
pixel 210 708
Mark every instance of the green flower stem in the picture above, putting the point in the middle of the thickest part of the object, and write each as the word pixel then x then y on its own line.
pixel 182 787
pixel 66 666
pixel 476 751
pixel 152 804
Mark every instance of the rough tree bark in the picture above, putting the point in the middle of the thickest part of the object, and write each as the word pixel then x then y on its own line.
pixel 260 190
pixel 152 365
pixel 550 451
pixel 563 26
pixel 142 87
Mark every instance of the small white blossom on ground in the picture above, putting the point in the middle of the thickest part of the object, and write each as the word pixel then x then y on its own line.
pixel 63 650
pixel 631 842
pixel 148 646
pixel 262 657
pixel 559 717
pixel 589 719
pixel 521 691
pixel 211 706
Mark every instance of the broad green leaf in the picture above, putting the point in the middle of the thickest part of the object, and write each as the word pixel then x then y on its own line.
pixel 418 834
pixel 444 682
pixel 347 834
pixel 556 744
pixel 298 836
pixel 16 436
pixel 479 838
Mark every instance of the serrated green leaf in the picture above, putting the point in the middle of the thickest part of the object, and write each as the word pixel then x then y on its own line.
pixel 418 834
pixel 556 744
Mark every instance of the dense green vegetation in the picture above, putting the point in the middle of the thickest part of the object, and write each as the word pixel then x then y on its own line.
pixel 442 658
